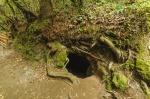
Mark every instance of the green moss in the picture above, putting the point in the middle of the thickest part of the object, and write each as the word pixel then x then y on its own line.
pixel 129 65
pixel 60 54
pixel 54 46
pixel 25 46
pixel 145 89
pixel 109 85
pixel 30 45
pixel 143 69
pixel 39 25
pixel 120 81
pixel 103 72
pixel 61 58
pixel 112 70
pixel 141 48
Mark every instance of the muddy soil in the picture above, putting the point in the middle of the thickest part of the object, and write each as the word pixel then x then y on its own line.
pixel 21 79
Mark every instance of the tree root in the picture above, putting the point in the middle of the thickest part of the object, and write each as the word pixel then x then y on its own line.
pixel 113 94
pixel 52 72
pixel 85 52
pixel 70 96
pixel 121 57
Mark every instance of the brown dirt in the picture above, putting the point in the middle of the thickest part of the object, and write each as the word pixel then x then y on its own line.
pixel 21 79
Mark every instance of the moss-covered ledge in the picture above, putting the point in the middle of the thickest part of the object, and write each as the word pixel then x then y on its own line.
pixel 143 69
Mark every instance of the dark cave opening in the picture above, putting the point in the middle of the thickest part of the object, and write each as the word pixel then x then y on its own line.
pixel 78 65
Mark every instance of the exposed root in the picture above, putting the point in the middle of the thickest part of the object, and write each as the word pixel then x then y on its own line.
pixel 85 52
pixel 121 57
pixel 110 65
pixel 113 94
pixel 62 74
pixel 70 96
pixel 52 71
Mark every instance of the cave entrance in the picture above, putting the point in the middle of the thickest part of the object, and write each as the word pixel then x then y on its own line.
pixel 78 65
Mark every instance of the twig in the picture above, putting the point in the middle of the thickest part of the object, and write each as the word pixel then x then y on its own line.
pixel 129 55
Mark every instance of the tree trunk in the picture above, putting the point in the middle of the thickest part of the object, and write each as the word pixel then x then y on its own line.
pixel 46 9
pixel 30 17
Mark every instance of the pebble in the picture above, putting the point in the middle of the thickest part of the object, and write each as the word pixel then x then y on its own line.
pixel 148 47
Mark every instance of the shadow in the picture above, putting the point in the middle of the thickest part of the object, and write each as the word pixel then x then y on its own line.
pixel 78 65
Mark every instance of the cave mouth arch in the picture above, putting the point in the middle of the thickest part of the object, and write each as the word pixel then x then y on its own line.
pixel 78 65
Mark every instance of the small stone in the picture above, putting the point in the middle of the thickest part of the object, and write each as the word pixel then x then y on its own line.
pixel 148 47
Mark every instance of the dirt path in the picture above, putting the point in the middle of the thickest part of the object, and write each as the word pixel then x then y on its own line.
pixel 20 79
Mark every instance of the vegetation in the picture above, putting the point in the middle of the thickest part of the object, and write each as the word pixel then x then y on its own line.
pixel 120 81
pixel 103 31
pixel 143 69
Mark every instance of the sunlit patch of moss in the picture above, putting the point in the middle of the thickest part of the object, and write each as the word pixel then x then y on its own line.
pixel 143 69
pixel 141 48
pixel 112 70
pixel 120 81
pixel 129 65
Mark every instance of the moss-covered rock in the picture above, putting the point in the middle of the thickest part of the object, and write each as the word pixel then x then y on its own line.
pixel 143 69
pixel 58 54
pixel 108 84
pixel 102 72
pixel 61 58
pixel 120 81
pixel 145 89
